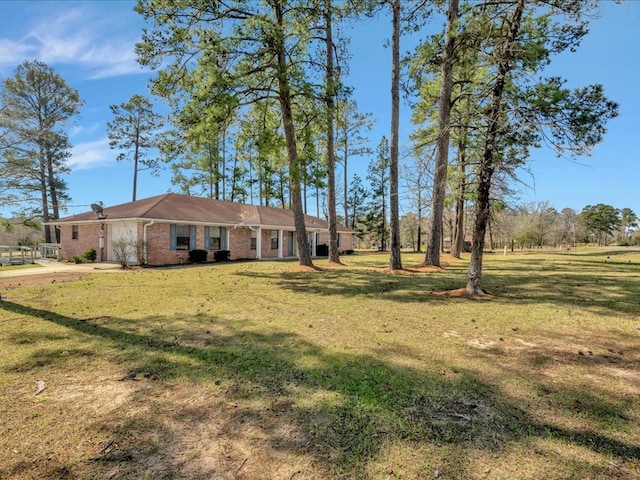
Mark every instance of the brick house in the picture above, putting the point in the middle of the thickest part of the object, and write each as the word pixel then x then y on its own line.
pixel 169 226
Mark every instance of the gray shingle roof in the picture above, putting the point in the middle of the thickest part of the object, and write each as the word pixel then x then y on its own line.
pixel 175 208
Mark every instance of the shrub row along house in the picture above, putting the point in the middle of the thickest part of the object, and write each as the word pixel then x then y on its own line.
pixel 164 229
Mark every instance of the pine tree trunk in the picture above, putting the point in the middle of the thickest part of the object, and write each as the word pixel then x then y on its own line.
pixel 135 173
pixel 434 238
pixel 346 182
pixel 42 180
pixel 457 245
pixel 395 261
pixel 53 193
pixel 487 166
pixel 334 255
pixel 284 91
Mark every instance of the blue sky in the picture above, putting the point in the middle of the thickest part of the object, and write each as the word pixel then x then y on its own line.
pixel 90 43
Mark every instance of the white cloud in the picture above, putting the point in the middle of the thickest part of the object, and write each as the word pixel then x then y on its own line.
pixel 14 52
pixel 100 44
pixel 84 130
pixel 93 154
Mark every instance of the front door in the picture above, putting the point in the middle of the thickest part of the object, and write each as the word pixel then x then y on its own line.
pixel 290 244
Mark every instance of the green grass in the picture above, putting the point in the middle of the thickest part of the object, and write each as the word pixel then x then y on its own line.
pixel 259 370
pixel 5 267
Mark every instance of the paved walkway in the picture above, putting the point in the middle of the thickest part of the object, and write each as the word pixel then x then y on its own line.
pixel 48 267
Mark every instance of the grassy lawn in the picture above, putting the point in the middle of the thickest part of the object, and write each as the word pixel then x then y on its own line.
pixel 4 267
pixel 257 370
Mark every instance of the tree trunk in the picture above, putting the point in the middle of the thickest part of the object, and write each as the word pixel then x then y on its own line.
pixel 214 169
pixel 395 262
pixel 53 192
pixel 490 232
pixel 42 180
pixel 346 178
pixel 234 179
pixel 487 166
pixel 334 255
pixel 284 92
pixel 383 233
pixel 135 172
pixel 223 173
pixel 434 238
pixel 317 186
pixel 457 243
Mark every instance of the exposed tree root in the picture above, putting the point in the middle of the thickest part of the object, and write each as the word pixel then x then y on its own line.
pixel 411 269
pixel 306 268
pixel 464 293
pixel 335 264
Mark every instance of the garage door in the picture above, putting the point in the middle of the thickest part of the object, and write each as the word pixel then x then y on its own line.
pixel 122 242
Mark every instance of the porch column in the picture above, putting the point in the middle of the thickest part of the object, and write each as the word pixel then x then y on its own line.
pixel 280 241
pixel 259 243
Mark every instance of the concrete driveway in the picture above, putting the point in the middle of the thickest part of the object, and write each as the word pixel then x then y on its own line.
pixel 48 267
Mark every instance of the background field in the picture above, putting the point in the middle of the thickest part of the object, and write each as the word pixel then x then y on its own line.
pixel 258 370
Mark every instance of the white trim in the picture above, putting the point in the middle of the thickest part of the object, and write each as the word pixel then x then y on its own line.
pixel 258 231
pixel 144 240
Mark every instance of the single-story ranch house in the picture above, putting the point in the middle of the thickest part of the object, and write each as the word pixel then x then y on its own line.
pixel 169 226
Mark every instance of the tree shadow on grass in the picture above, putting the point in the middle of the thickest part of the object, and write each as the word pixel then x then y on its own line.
pixel 360 283
pixel 600 293
pixel 601 289
pixel 278 392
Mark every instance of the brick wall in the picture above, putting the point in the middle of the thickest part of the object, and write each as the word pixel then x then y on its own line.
pixel 158 246
pixel 240 244
pixel 158 243
pixel 88 238
pixel 160 253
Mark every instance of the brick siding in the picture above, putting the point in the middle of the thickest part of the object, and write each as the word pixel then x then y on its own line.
pixel 159 241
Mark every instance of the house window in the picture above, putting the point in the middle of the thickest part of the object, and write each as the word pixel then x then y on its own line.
pixel 182 237
pixel 254 240
pixel 217 238
pixel 74 232
pixel 274 239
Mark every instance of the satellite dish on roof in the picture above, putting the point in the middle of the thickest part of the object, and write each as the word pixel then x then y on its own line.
pixel 97 209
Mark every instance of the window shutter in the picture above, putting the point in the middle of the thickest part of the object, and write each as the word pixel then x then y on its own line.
pixel 207 239
pixel 173 244
pixel 192 237
pixel 223 238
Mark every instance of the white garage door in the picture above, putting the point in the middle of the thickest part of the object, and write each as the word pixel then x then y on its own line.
pixel 122 242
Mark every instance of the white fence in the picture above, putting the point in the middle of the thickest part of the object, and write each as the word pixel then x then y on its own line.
pixel 11 255
pixel 49 251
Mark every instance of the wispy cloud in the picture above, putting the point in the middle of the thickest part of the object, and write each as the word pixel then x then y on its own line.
pixel 13 52
pixel 89 39
pixel 92 154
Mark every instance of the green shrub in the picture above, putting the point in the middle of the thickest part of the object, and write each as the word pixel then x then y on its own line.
pixel 90 255
pixel 76 259
pixel 221 255
pixel 197 256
